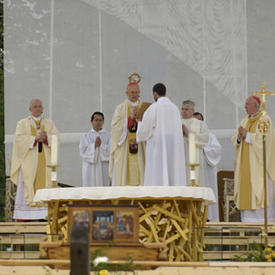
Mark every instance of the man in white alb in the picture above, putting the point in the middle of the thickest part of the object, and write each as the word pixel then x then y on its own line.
pixel 200 129
pixel 94 150
pixel 162 130
pixel 212 152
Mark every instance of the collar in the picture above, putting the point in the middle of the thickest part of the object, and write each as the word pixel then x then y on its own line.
pixel 253 115
pixel 36 118
pixel 100 131
pixel 133 103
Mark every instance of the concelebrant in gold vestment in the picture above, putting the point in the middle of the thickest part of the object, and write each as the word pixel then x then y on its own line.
pixel 30 157
pixel 127 158
pixel 249 179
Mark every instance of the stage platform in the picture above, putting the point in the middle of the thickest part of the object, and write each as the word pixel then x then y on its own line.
pixel 40 267
pixel 222 241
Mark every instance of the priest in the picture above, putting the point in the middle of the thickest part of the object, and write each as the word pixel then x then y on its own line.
pixel 30 157
pixel 212 153
pixel 161 129
pixel 94 150
pixel 127 157
pixel 249 178
pixel 200 130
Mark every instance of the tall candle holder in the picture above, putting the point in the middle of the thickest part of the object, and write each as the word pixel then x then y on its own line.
pixel 192 168
pixel 53 174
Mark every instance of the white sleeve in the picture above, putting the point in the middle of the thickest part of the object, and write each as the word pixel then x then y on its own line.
pixel 213 150
pixel 248 138
pixel 147 126
pixel 203 136
pixel 32 144
pixel 87 150
pixel 124 132
pixel 105 150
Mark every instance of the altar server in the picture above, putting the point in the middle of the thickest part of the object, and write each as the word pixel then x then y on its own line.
pixel 212 152
pixel 94 150
pixel 161 129
pixel 200 130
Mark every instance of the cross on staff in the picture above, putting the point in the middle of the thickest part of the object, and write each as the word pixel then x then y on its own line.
pixel 264 93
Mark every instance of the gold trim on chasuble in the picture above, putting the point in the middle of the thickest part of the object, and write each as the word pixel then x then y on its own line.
pixel 40 176
pixel 133 165
pixel 245 176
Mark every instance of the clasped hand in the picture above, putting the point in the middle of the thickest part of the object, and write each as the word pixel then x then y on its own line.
pixel 42 137
pixel 242 132
pixel 133 113
pixel 97 142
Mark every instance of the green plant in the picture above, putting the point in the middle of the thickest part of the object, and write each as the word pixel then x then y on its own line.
pixel 258 253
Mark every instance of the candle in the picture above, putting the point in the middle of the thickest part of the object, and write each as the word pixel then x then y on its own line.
pixel 54 150
pixel 192 175
pixel 192 148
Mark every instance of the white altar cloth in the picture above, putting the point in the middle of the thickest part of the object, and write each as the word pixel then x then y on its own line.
pixel 121 192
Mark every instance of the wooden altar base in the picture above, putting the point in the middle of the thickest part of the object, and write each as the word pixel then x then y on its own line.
pixel 178 223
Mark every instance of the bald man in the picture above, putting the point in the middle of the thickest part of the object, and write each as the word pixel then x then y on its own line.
pixel 249 180
pixel 30 157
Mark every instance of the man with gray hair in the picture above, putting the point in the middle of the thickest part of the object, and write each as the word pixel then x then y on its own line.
pixel 199 129
pixel 30 157
pixel 249 183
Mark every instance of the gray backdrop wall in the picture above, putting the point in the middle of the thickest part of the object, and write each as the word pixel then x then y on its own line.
pixel 77 55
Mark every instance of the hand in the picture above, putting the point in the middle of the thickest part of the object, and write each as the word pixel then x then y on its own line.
pixel 185 130
pixel 97 142
pixel 242 132
pixel 43 136
pixel 133 113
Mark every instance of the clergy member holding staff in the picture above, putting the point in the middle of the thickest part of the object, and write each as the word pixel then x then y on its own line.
pixel 212 152
pixel 94 150
pixel 161 128
pixel 192 127
pixel 30 157
pixel 249 180
pixel 127 158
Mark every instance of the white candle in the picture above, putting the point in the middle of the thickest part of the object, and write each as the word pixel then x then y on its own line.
pixel 54 176
pixel 192 148
pixel 192 175
pixel 54 150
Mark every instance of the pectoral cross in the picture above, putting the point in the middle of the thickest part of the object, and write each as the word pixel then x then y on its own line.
pixel 264 93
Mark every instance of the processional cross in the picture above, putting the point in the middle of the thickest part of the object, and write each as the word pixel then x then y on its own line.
pixel 264 93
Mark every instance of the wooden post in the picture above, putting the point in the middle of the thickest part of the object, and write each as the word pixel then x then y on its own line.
pixel 80 254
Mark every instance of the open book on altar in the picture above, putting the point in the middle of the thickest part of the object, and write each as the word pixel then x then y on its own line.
pixel 142 109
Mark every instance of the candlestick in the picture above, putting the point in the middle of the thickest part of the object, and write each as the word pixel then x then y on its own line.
pixel 54 142
pixel 192 167
pixel 192 147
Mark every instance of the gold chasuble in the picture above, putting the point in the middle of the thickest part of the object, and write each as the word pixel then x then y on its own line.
pixel 26 158
pixel 248 174
pixel 40 177
pixel 245 181
pixel 127 159
pixel 133 166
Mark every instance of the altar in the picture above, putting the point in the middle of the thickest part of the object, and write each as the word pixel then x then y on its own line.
pixel 169 218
